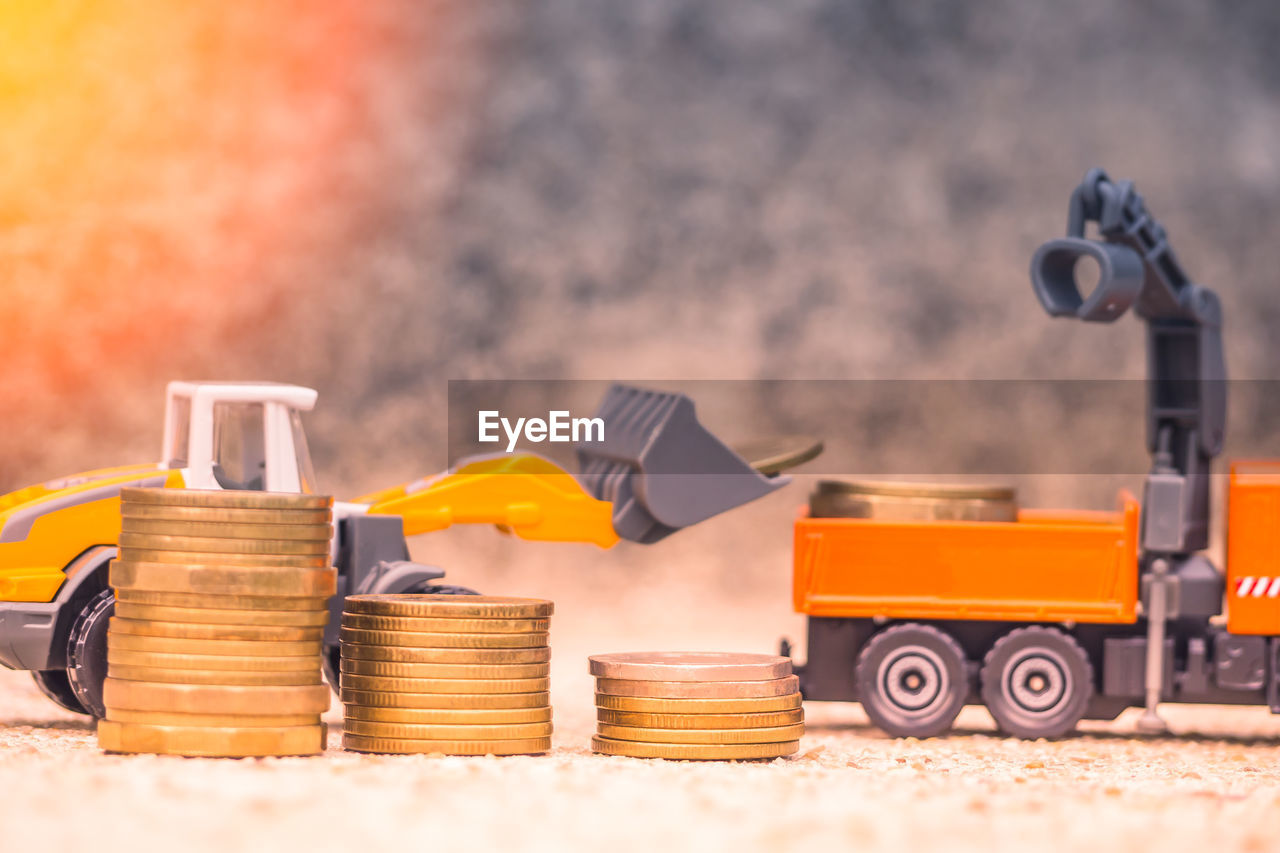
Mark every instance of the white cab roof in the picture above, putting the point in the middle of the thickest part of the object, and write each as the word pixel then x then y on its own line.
pixel 294 396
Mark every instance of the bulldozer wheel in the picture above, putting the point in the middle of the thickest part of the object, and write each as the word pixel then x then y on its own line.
pixel 87 652
pixel 443 589
pixel 56 686
pixel 911 680
pixel 1036 682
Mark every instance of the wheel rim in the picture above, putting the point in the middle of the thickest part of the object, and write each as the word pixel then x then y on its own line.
pixel 914 680
pixel 1037 682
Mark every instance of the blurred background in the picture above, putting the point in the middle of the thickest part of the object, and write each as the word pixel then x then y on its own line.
pixel 375 198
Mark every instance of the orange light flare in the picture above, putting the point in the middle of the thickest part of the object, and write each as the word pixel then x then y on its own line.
pixel 154 159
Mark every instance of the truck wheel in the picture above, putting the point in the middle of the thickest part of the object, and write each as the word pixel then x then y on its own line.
pixel 55 685
pixel 331 662
pixel 87 652
pixel 911 680
pixel 1036 682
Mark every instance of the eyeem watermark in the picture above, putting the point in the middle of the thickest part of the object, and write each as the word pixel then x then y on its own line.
pixel 558 427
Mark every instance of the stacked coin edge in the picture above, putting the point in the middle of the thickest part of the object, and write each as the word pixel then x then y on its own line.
pixel 446 674
pixel 696 706
pixel 221 603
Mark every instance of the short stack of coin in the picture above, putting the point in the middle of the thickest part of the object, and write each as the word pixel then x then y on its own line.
pixel 214 648
pixel 451 674
pixel 696 705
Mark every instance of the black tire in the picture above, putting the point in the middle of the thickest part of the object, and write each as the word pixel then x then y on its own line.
pixel 443 589
pixel 1036 682
pixel 55 685
pixel 911 680
pixel 331 661
pixel 87 652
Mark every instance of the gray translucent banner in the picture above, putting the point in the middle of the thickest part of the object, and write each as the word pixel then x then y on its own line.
pixel 886 427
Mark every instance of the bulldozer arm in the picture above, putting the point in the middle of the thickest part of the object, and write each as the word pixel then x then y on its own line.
pixel 524 494
pixel 655 470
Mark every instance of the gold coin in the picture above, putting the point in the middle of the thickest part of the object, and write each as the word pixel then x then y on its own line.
pixel 211 545
pixel 214 676
pixel 163 512
pixel 912 501
pixel 772 456
pixel 387 684
pixel 650 705
pixel 700 721
pixel 769 734
pixel 443 641
pixel 445 625
pixel 396 669
pixel 201 601
pixel 225 500
pixel 444 701
pixel 167 718
pixel 449 716
pixel 222 617
pixel 523 746
pixel 197 631
pixel 689 666
pixel 238 663
pixel 407 654
pixel 904 489
pixel 694 751
pixel 214 699
pixel 249 648
pixel 209 741
pixel 223 580
pixel 411 731
pixel 698 690
pixel 436 606
pixel 227 530
pixel 200 558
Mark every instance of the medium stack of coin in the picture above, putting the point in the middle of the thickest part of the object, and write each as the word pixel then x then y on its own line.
pixel 214 648
pixel 903 501
pixel 696 705
pixel 452 674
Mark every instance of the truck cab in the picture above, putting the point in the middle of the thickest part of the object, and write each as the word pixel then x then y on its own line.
pixel 238 435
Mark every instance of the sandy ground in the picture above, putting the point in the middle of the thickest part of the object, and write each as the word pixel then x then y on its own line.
pixel 1216 787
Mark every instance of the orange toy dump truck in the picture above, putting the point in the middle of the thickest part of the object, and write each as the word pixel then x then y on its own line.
pixel 1058 616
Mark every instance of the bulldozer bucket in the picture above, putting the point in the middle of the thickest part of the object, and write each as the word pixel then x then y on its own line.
pixel 660 468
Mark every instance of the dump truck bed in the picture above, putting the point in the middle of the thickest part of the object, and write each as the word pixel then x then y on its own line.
pixel 1047 566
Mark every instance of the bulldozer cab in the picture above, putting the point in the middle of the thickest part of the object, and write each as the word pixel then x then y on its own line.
pixel 239 435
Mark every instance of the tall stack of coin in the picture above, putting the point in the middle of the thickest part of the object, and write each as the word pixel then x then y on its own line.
pixel 696 705
pixel 215 645
pixel 453 674
pixel 903 501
